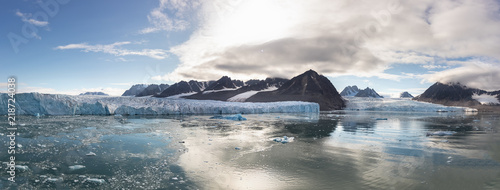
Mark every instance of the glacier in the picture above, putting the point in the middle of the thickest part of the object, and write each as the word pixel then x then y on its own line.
pixel 57 104
pixel 399 104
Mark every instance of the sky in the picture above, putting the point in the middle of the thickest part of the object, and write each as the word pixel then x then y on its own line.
pixel 75 46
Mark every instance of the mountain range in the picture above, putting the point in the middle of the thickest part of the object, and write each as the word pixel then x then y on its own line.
pixel 309 87
pixel 356 92
pixel 94 94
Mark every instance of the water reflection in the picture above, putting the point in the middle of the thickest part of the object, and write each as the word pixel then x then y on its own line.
pixel 338 150
pixel 346 151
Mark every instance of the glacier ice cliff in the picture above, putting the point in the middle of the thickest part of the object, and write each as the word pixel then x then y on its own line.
pixel 399 104
pixel 56 104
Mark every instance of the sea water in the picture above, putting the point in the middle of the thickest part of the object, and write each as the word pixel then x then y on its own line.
pixel 331 150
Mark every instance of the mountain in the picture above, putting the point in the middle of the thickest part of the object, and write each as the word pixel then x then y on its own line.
pixel 224 83
pixel 152 89
pixel 350 91
pixel 228 89
pixel 258 85
pixel 368 92
pixel 185 87
pixel 451 94
pixel 134 90
pixel 309 87
pixel 405 95
pixel 94 93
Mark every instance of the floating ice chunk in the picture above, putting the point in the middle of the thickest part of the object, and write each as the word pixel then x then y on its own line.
pixel 175 178
pixel 76 167
pixel 284 140
pixel 381 119
pixel 236 117
pixel 90 154
pixel 22 168
pixel 52 180
pixel 441 133
pixel 95 180
pixel 237 148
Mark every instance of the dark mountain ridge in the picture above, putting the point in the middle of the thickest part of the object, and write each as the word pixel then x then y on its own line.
pixel 309 87
pixel 453 94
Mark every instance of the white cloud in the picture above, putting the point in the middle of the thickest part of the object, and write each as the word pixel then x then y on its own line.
pixel 128 84
pixel 26 17
pixel 430 67
pixel 475 74
pixel 115 49
pixel 281 38
pixel 176 21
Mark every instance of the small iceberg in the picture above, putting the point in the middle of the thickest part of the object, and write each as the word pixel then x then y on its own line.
pixel 284 140
pixel 236 117
pixel 22 168
pixel 76 167
pixel 441 133
pixel 90 154
pixel 52 180
pixel 95 180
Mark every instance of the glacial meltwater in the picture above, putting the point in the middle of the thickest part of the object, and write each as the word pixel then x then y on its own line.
pixel 334 150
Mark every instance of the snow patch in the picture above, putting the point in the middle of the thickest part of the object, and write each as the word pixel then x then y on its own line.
pixel 224 89
pixel 181 95
pixel 245 95
pixel 486 99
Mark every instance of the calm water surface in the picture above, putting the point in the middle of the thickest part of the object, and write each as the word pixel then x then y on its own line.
pixel 338 150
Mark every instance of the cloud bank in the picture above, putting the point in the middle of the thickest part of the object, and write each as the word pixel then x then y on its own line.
pixel 281 38
pixel 475 74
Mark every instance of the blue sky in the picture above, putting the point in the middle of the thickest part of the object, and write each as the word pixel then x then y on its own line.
pixel 98 45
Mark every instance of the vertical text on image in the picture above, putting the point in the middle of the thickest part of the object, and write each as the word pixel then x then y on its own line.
pixel 12 129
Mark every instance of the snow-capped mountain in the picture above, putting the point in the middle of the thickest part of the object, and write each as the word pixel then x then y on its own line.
pixel 224 83
pixel 350 91
pixel 309 87
pixel 405 95
pixel 185 87
pixel 456 94
pixel 264 84
pixel 368 92
pixel 135 89
pixel 94 94
pixel 224 89
pixel 152 90
pixel 356 92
